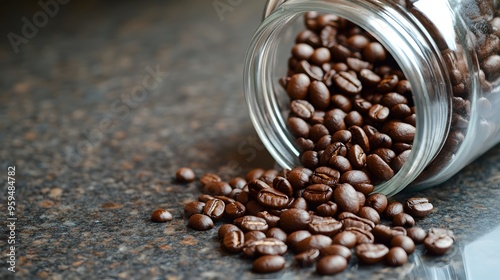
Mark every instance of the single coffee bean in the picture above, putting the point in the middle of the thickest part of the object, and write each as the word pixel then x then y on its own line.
pixel 357 64
pixel 235 210
pixel 387 84
pixel 233 241
pixel 336 250
pixel 404 242
pixel 403 220
pixel 398 162
pixel 347 83
pixel 331 265
pixel 365 189
pixel 304 144
pixel 268 264
pixel 309 159
pixel 249 223
pixel 374 52
pixel 277 233
pixel 396 257
pixel 296 236
pixel 378 167
pixel 294 219
pixel 341 102
pixel 161 216
pixel 334 120
pixel 384 234
pixel 225 229
pixel 346 198
pixel 371 253
pixel 377 201
pixel 361 198
pixel 265 246
pixel 380 140
pixel 362 236
pixel 315 73
pixel 418 207
pixel 299 177
pixel 237 182
pixel 200 222
pixel 225 199
pixel 351 220
pixel 242 197
pixel 369 213
pixel 254 174
pixel 319 95
pixel 353 118
pixel 360 138
pixel 340 163
pixel 385 154
pixel 356 156
pixel 299 203
pixel 325 175
pixel 214 208
pixel 255 186
pixel 354 177
pixel 315 241
pixel 298 86
pixel 343 136
pixel 393 208
pixel 317 193
pixel 345 238
pixel 302 51
pixel 217 188
pixel 272 220
pixel 399 131
pixel 272 198
pixel 378 113
pixel 209 177
pixel 417 234
pixel 324 225
pixel 438 241
pixel 307 258
pixel 184 175
pixel 193 207
pixel 320 56
pixel 400 111
pixel 268 176
pixel 298 127
pixel 368 78
pixel 254 235
pixel 327 209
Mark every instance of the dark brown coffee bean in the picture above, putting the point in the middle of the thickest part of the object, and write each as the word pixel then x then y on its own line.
pixel 302 108
pixel 294 219
pixel 214 208
pixel 353 118
pixel 418 207
pixel 298 127
pixel 215 188
pixel 393 208
pixel 491 67
pixel 235 210
pixel 357 64
pixel 384 234
pixel 364 189
pixel 340 163
pixel 184 175
pixel 400 111
pixel 325 175
pixel 387 84
pixel 351 220
pixel 396 257
pixel 272 220
pixel 302 51
pixel 327 209
pixel 378 167
pixel 237 182
pixel 346 198
pixel 369 214
pixel 269 176
pixel 254 235
pixel 345 238
pixel 200 222
pixel 193 207
pixel 297 236
pixel 356 156
pixel 307 258
pixel 315 241
pixel 354 177
pixel 299 203
pixel 403 220
pixel 283 185
pixel 233 241
pixel 374 52
pixel 299 177
pixel 398 162
pixel 209 177
pixel 331 265
pixel 347 83
pixel 298 86
pixel 392 99
pixel 309 159
pixel 342 136
pixel 265 246
pixel 404 242
pixel 360 138
pixel 323 142
pixel 272 198
pixel 334 149
pixel 255 186
pixel 402 147
pixel 341 102
pixel 225 229
pixel 249 223
pixel 357 42
pixel 385 154
pixel 304 144
pixel 161 216
pixel 277 233
pixel 377 201
pixel 417 234
pixel 438 241
pixel 336 250
pixel 368 78
pixel 268 264
pixel 308 37
pixel 318 193
pixel 378 113
pixel 324 225
pixel 362 236
pixel 319 95
pixel 399 131
pixel 242 197
pixel 254 174
pixel 371 253
pixel 320 56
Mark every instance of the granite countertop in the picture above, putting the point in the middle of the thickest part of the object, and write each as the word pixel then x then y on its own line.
pixel 105 101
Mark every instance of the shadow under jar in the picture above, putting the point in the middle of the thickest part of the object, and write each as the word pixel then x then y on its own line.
pixel 448 51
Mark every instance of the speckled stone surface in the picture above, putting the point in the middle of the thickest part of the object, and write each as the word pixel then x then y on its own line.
pixel 96 138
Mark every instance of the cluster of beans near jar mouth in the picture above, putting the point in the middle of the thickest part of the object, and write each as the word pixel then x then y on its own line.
pixel 351 108
pixel 269 213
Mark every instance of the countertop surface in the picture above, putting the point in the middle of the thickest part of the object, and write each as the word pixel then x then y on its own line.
pixel 104 101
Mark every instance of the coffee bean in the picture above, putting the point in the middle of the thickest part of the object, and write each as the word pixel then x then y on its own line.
pixel 362 236
pixel 268 264
pixel 277 233
pixel 357 64
pixel 297 236
pixel 368 78
pixel 404 242
pixel 302 109
pixel 237 182
pixel 365 189
pixel 341 102
pixel 374 52
pixel 377 201
pixel 233 241
pixel 393 208
pixel 370 214
pixel 254 174
pixel 334 149
pixel 399 131
pixel 298 127
pixel 272 220
pixel 396 257
pixel 334 120
pixel 355 177
pixel 309 159
pixel 356 156
pixel 346 198
pixel 387 84
pixel 327 36
pixel 217 188
pixel 347 83
pixel 209 177
pixel 225 229
pixel 161 216
pixel 200 222
pixel 360 138
pixel 299 203
pixel 304 144
pixel 327 209
pixel 324 225
pixel 298 86
pixel 400 111
pixel 384 234
pixel 371 253
pixel 317 193
pixel 418 207
pixel 193 207
pixel 353 118
pixel 307 258
pixel 340 163
pixel 343 136
pixel 225 199
pixel 491 66
pixel 325 175
pixel 214 208
pixel 249 223
pixel 272 198
pixel 378 113
pixel 404 220
pixel 294 219
pixel 385 154
pixel 398 162
pixel 315 241
pixel 308 37
pixel 254 235
pixel 184 175
pixel 320 56
pixel 438 241
pixel 319 95
pixel 235 210
pixel 299 177
pixel 265 246
pixel 378 167
pixel 302 51
pixel 345 238
pixel 336 250
pixel 417 234
pixel 392 99
pixel 242 197
pixel 331 265
pixel 351 220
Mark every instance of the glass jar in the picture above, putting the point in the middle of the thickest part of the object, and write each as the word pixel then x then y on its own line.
pixel 448 50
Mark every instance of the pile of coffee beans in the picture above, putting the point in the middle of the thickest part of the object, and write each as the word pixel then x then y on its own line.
pixel 310 214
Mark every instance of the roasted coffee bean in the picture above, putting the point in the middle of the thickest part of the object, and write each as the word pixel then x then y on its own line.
pixel 403 220
pixel 253 208
pixel 331 265
pixel 242 197
pixel 302 51
pixel 209 177
pixel 417 234
pixel 322 143
pixel 233 241
pixel 377 201
pixel 308 37
pixel 327 209
pixel 361 198
pixel 365 189
pixel 235 193
pixel 327 36
pixel 277 233
pixel 343 136
pixel 341 102
pixel 357 64
pixel 371 253
pixel 302 108
pixel 357 42
pixel 400 111
pixel 334 120
pixel 387 84
pixel 340 163
pixel 297 236
pixel 268 176
pixel 249 223
pixel 298 86
pixel 491 67
pixel 393 208
pixel 324 225
pixel 334 149
pixel 193 207
pixel 418 207
pixel 347 83
pixel 370 214
pixel 355 177
pixel 398 162
pixel 225 229
pixel 336 250
pixel 237 182
pixel 368 78
pixel 315 73
pixel 438 241
pixel 362 236
pixel 272 198
pixel 374 52
pixel 318 193
pixel 184 175
pixel 396 257
pixel 254 235
pixel 319 95
pixel 315 241
pixel 403 87
pixel 272 220
pixel 268 264
pixel 294 219
pixel 298 127
pixel 356 156
pixel 378 113
pixel 351 220
pixel 214 208
pixel 235 210
pixel 304 144
pixel 205 197
pixel 265 246
pixel 384 234
pixel 254 174
pixel 401 147
pixel 217 188
pixel 378 167
pixel 353 118
pixel 404 242
pixel 399 131
pixel 200 222
pixel 392 99
pixel 345 238
pixel 360 138
pixel 346 198
pixel 325 175
pixel 299 177
pixel 385 154
pixel 307 258
pixel 161 216
pixel 255 186
pixel 309 159
pixel 225 199
pixel 299 203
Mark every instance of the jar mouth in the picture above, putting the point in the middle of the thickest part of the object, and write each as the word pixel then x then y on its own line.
pixel 417 57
